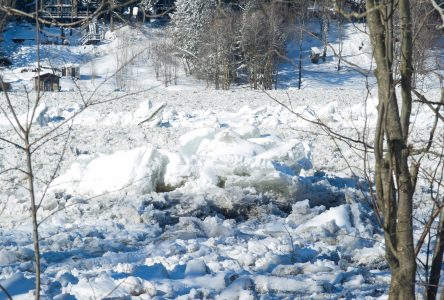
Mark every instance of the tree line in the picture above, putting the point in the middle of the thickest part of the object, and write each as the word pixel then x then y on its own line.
pixel 242 41
pixel 229 42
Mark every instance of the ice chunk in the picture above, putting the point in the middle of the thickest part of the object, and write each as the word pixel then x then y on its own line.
pixel 147 112
pixel 248 131
pixel 268 142
pixel 40 112
pixel 177 171
pixel 39 116
pixel 196 267
pixel 294 153
pixel 340 215
pixel 229 142
pixel 241 288
pixel 190 142
pixel 267 284
pixel 266 181
pixel 7 257
pixel 97 287
pixel 140 168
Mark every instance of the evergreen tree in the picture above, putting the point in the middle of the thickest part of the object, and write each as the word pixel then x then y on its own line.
pixel 189 22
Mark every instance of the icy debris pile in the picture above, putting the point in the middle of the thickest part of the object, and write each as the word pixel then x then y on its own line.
pixel 273 255
pixel 229 212
pixel 208 159
pixel 222 259
pixel 140 169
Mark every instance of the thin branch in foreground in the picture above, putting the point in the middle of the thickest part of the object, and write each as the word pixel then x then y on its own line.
pixel 319 123
pixel 6 292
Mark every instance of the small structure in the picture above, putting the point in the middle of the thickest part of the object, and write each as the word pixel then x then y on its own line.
pixel 93 34
pixel 67 10
pixel 315 54
pixel 72 71
pixel 4 86
pixel 47 82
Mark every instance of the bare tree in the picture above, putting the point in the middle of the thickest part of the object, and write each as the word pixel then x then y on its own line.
pixel 261 39
pixel 122 57
pixel 165 60
pixel 219 48
pixel 300 12
pixel 397 164
pixel 425 36
pixel 325 23
pixel 340 33
pixel 3 23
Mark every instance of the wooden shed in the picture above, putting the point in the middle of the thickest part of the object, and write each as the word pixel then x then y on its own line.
pixel 4 86
pixel 72 71
pixel 48 82
pixel 315 54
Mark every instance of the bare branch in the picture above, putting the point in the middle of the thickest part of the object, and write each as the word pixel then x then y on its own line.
pixel 319 123
pixel 440 10
pixel 426 229
pixel 57 167
pixel 6 292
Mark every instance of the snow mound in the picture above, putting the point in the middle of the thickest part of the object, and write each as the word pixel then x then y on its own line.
pixel 140 168
pixel 340 215
pixel 224 158
pixel 207 159
pixel 229 142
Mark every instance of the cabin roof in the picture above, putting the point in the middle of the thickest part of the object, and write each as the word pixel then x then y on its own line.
pixel 47 75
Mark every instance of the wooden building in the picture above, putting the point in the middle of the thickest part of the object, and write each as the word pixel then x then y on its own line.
pixel 315 54
pixel 47 82
pixel 4 86
pixel 72 71
pixel 67 10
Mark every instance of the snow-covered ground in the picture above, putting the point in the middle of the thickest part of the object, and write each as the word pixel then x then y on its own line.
pixel 220 194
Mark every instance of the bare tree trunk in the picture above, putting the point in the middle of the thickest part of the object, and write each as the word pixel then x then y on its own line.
pixel 34 208
pixel 340 25
pixel 301 39
pixel 300 66
pixel 35 233
pixel 394 183
pixel 325 29
pixel 435 272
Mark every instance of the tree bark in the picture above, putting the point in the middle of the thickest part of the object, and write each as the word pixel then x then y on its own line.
pixel 35 233
pixel 394 188
pixel 435 272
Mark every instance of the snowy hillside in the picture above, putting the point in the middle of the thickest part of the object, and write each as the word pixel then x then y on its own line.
pixel 185 192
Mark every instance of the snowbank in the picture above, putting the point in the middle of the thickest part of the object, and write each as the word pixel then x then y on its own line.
pixel 208 158
pixel 140 168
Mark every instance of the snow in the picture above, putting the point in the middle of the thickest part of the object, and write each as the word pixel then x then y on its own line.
pixel 186 192
pixel 190 141
pixel 340 215
pixel 18 286
pixel 107 173
pixel 195 268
